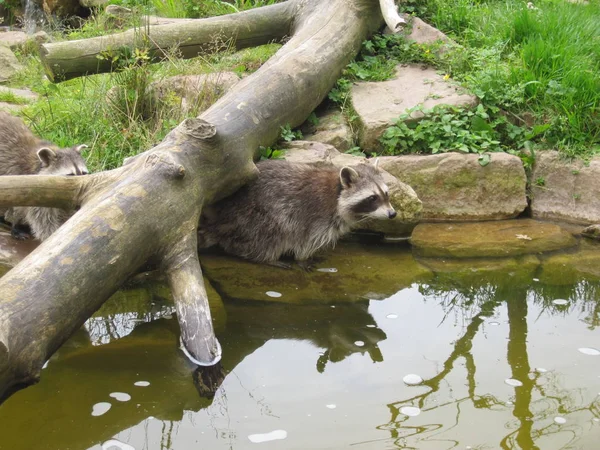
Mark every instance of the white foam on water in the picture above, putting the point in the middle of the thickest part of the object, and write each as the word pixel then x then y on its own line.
pixel 327 270
pixel 332 306
pixel 540 370
pixel 560 301
pixel 560 420
pixel 100 408
pixel 589 351
pixel 494 324
pixel 266 437
pixel 513 382
pixel 536 279
pixel 120 396
pixel 359 343
pixel 371 326
pixel 142 383
pixel 412 379
pixel 273 294
pixel 115 443
pixel 331 406
pixel 392 316
pixel 411 411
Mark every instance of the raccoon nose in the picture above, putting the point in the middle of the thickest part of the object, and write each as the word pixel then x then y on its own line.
pixel 392 213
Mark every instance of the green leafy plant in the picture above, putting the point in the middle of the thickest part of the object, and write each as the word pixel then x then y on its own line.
pixel 288 135
pixel 270 153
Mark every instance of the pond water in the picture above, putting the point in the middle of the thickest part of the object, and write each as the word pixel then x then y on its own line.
pixel 386 351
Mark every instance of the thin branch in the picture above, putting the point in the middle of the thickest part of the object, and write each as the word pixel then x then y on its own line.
pixel 392 19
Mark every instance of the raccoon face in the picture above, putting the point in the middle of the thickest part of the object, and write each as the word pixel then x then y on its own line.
pixel 64 161
pixel 364 195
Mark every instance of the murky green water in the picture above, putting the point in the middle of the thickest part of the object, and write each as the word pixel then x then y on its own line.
pixel 324 363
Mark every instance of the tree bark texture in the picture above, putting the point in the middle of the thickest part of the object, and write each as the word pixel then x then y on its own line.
pixel 149 208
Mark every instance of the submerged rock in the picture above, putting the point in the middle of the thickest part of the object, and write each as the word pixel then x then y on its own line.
pixel 568 268
pixel 378 104
pixel 475 272
pixel 564 190
pixel 455 186
pixel 362 273
pixel 9 65
pixel 503 238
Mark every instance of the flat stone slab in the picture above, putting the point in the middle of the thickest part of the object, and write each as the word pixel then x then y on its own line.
pixel 10 107
pixel 402 197
pixel 454 186
pixel 564 190
pixel 360 273
pixel 24 94
pixel 379 104
pixel 489 239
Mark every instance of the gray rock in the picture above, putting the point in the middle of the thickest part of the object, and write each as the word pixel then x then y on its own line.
pixel 379 104
pixel 10 107
pixel 422 33
pixel 592 232
pixel 9 65
pixel 17 39
pixel 454 186
pixel 563 190
pixel 331 129
pixel 118 11
pixel 193 92
pixel 93 3
pixel 402 197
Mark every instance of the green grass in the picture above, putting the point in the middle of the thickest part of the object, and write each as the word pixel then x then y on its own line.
pixel 10 97
pixel 113 113
pixel 539 63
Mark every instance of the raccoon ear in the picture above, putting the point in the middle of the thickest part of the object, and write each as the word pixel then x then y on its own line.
pixel 46 156
pixel 348 176
pixel 80 147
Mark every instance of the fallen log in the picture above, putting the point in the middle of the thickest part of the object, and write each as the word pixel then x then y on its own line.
pixel 69 59
pixel 149 208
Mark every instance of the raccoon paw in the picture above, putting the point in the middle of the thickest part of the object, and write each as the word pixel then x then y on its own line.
pixel 19 234
pixel 280 264
pixel 306 265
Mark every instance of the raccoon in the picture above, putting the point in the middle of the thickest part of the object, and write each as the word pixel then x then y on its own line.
pixel 22 153
pixel 295 209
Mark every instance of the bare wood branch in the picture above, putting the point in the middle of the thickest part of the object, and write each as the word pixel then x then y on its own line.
pixel 392 19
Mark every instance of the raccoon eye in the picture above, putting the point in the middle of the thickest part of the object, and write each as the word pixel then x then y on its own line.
pixel 372 198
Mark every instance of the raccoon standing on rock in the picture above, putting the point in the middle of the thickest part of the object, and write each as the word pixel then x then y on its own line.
pixel 22 153
pixel 295 209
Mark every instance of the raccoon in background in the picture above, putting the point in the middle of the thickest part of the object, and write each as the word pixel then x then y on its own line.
pixel 22 153
pixel 294 209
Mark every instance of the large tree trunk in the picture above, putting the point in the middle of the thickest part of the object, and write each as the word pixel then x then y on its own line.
pixel 149 209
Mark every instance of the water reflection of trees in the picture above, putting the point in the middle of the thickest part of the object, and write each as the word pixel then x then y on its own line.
pixel 473 303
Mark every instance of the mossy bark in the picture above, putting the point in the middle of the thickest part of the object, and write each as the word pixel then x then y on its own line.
pixel 148 210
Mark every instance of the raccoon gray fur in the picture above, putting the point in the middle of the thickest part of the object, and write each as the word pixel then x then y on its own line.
pixel 295 209
pixel 22 153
